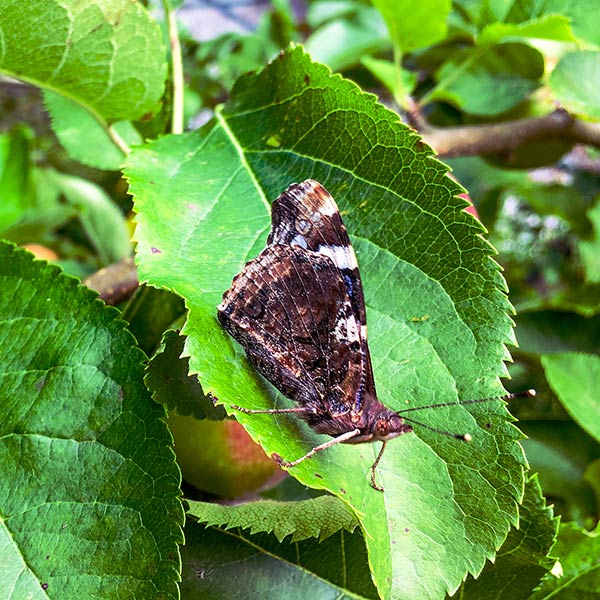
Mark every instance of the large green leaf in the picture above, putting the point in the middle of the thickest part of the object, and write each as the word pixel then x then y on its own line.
pixel 435 301
pixel 221 564
pixel 107 56
pixel 90 490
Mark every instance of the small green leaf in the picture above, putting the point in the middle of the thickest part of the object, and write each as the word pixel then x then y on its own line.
pixel 421 256
pixel 398 81
pixel 318 517
pixel 576 83
pixel 574 378
pixel 590 250
pixel 577 574
pixel 102 221
pixel 15 168
pixel 82 136
pixel 109 56
pixel 234 564
pixel 524 555
pixel 168 380
pixel 584 15
pixel 415 24
pixel 90 489
pixel 489 80
pixel 548 27
pixel 342 42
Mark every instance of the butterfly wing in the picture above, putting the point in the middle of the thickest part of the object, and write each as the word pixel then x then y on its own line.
pixel 305 215
pixel 290 310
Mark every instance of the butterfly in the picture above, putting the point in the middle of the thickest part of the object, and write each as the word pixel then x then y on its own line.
pixel 298 311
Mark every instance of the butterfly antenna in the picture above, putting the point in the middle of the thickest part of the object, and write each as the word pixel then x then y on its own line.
pixel 526 394
pixel 465 437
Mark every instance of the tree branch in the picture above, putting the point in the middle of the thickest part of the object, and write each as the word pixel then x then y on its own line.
pixel 116 282
pixel 503 138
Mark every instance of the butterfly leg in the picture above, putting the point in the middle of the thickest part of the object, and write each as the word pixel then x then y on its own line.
pixel 374 467
pixel 337 440
pixel 270 411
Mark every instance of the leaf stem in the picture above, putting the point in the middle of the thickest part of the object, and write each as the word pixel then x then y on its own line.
pixel 116 139
pixel 400 93
pixel 176 69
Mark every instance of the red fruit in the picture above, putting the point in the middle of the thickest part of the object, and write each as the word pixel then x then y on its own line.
pixel 220 457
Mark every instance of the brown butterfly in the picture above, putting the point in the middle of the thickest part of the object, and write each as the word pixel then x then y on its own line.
pixel 299 312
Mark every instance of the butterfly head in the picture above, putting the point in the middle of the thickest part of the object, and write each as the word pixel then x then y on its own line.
pixel 381 426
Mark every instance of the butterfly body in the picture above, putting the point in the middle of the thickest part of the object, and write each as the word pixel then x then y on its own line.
pixel 298 310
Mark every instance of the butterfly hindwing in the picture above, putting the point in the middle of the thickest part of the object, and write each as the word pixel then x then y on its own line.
pixel 290 311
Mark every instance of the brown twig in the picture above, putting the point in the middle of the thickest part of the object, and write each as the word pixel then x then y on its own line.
pixel 503 138
pixel 116 282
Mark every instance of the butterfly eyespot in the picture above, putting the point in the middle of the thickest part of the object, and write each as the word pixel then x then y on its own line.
pixel 303 226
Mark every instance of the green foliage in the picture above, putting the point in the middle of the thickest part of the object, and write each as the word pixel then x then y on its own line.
pixel 258 156
pixel 90 488
pixel 574 378
pixel 524 556
pixel 562 454
pixel 576 81
pixel 345 34
pixel 167 377
pixel 491 80
pixel 414 24
pixel 590 249
pixel 71 119
pixel 15 170
pixel 114 66
pixel 576 574
pixel 90 491
pixel 319 517
pixel 234 563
